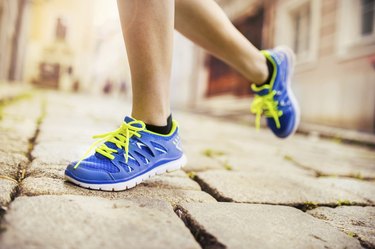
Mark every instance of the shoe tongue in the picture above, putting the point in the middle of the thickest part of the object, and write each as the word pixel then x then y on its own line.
pixel 137 124
pixel 263 92
pixel 111 145
pixel 128 119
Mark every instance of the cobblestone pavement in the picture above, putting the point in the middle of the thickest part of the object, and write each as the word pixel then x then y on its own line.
pixel 240 189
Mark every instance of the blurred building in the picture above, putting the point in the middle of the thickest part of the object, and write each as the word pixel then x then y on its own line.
pixel 63 44
pixel 14 16
pixel 71 46
pixel 334 41
pixel 77 45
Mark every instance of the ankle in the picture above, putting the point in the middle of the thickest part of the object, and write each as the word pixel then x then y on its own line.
pixel 157 119
pixel 164 129
pixel 261 71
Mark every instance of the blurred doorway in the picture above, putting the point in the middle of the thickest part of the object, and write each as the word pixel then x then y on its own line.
pixel 222 78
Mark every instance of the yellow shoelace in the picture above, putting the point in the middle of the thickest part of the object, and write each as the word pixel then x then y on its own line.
pixel 265 105
pixel 119 137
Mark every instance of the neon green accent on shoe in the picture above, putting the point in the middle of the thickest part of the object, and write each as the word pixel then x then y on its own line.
pixel 119 137
pixel 265 104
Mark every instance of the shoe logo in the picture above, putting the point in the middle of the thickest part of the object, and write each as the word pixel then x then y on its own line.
pixel 140 145
pixel 279 58
pixel 130 169
pixel 177 142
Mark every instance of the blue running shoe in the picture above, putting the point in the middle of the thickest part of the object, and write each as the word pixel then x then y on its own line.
pixel 276 100
pixel 126 157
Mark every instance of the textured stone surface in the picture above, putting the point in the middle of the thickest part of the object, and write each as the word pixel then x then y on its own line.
pixel 51 152
pixel 16 129
pixel 16 123
pixel 38 168
pixel 10 163
pixel 92 222
pixel 330 158
pixel 231 161
pixel 197 161
pixel 263 226
pixel 258 187
pixel 11 141
pixel 47 186
pixel 355 221
pixel 364 189
pixel 7 191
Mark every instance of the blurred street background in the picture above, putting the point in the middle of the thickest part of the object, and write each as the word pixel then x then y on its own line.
pixel 77 46
pixel 64 77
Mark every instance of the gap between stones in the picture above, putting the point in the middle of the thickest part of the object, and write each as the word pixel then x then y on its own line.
pixel 318 173
pixel 208 241
pixel 22 167
pixel 363 243
pixel 201 235
pixel 301 206
pixel 32 140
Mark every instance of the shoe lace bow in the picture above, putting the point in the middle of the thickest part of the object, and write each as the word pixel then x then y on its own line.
pixel 120 137
pixel 265 105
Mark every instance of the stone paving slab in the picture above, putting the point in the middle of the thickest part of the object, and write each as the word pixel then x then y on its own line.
pixel 206 154
pixel 240 147
pixel 10 163
pixel 357 222
pixel 11 141
pixel 41 169
pixel 232 162
pixel 16 130
pixel 11 91
pixel 364 189
pixel 55 152
pixel 56 130
pixel 322 155
pixel 92 222
pixel 8 189
pixel 15 121
pixel 262 226
pixel 335 159
pixel 175 193
pixel 285 189
pixel 197 161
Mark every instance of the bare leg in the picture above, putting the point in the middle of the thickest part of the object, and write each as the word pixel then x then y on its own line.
pixel 147 27
pixel 205 23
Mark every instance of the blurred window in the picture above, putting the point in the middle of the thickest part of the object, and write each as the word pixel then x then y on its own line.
pixel 356 28
pixel 367 17
pixel 301 18
pixel 298 26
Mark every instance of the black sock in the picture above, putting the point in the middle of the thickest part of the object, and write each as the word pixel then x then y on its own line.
pixel 270 71
pixel 161 129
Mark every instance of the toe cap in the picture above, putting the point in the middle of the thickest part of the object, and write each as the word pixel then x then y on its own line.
pixel 88 175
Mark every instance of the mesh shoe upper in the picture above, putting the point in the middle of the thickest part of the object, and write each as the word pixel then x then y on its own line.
pixel 283 119
pixel 144 152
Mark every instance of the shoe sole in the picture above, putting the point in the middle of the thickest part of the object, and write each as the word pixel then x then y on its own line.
pixel 120 186
pixel 291 60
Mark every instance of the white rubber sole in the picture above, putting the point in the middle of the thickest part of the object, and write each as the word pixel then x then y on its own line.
pixel 291 60
pixel 168 167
